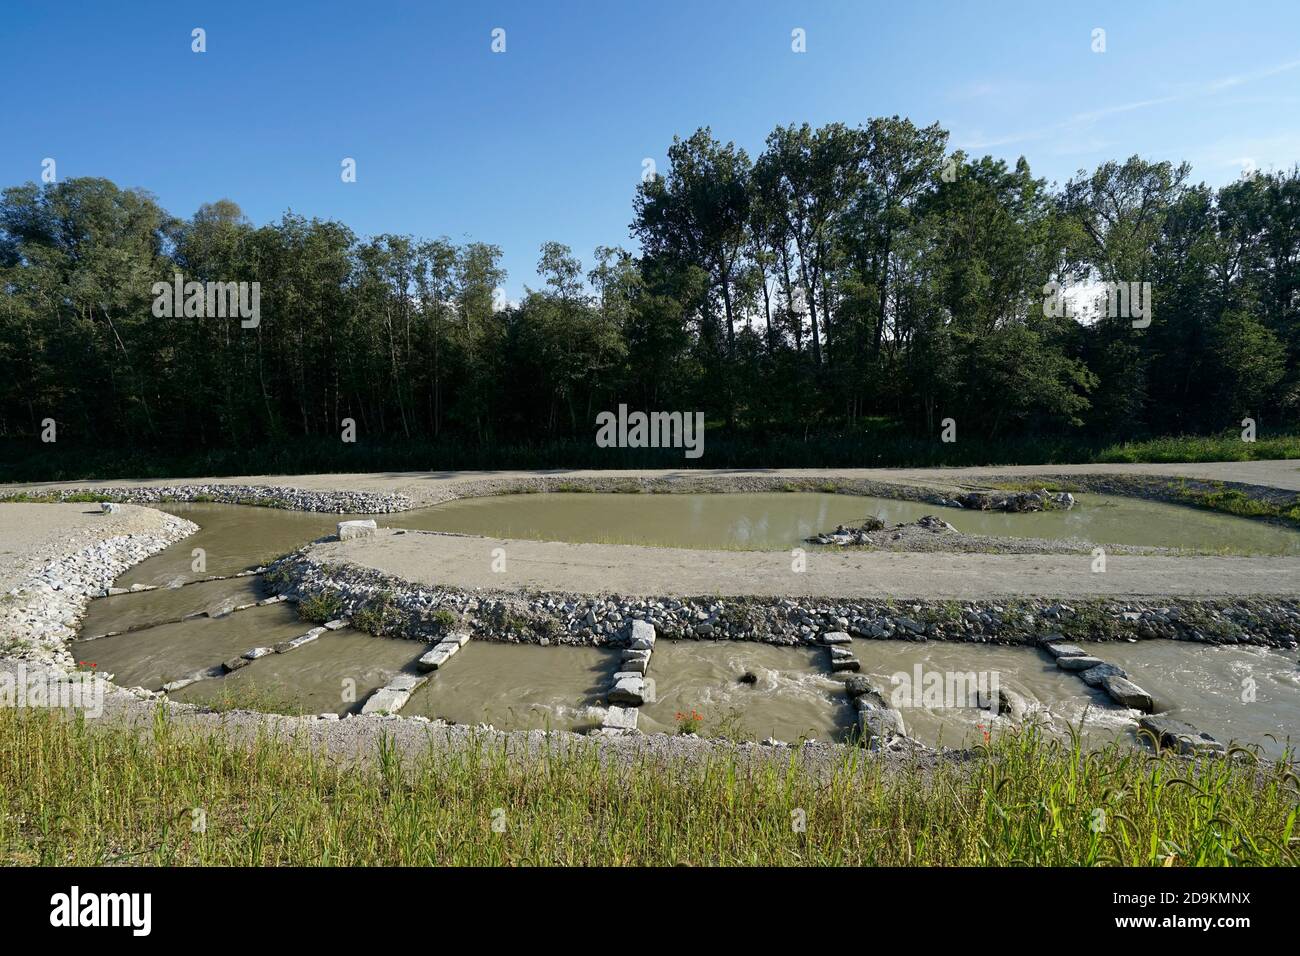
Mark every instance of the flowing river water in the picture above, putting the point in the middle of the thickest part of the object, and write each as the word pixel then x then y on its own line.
pixel 1246 694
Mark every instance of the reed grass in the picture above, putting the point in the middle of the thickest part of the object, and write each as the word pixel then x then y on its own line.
pixel 73 792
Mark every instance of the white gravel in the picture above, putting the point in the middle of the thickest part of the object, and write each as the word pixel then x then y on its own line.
pixel 55 557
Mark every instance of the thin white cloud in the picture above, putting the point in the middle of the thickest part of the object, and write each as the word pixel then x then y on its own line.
pixel 1088 118
pixel 1230 81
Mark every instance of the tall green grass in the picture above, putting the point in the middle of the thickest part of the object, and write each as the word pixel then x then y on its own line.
pixel 71 793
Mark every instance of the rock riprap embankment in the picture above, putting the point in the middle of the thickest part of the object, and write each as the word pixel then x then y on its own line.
pixel 264 496
pixel 40 614
pixel 387 604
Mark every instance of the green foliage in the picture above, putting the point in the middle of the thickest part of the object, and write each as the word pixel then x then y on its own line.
pixel 690 723
pixel 828 302
pixel 319 608
pixel 380 615
pixel 445 618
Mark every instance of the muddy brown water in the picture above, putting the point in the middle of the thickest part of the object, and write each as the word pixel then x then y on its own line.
pixel 793 698
pixel 156 655
pixel 780 520
pixel 233 538
pixel 335 674
pixel 1054 699
pixel 1234 694
pixel 519 687
pixel 146 608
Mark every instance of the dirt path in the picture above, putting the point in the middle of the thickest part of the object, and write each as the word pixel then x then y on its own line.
pixel 467 562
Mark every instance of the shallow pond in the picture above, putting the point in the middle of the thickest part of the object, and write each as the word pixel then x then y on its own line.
pixel 232 538
pixel 779 520
pixel 164 604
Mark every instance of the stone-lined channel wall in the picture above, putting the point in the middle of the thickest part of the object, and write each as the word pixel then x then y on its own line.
pixel 385 604
pixel 259 496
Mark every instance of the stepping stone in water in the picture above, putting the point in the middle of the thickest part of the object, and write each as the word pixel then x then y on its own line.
pixel 257 652
pixel 857 687
pixel 877 724
pixel 460 639
pixel 1079 663
pixel 1094 676
pixel 836 637
pixel 635 665
pixel 845 664
pixel 205 674
pixel 628 690
pixel 1179 736
pixel 1126 693
pixel 292 645
pixel 620 718
pixel 437 657
pixel 386 700
pixel 1064 650
pixel 407 682
pixel 642 636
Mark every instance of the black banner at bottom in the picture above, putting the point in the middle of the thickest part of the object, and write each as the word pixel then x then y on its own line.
pixel 337 906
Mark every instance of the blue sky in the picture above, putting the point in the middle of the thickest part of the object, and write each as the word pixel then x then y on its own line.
pixel 546 141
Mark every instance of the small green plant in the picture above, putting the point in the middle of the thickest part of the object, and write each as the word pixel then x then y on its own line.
pixel 319 608
pixel 380 615
pixel 689 723
pixel 729 727
pixel 445 619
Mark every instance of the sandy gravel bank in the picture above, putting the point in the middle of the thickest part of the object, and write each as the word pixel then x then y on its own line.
pixel 467 562
pixel 54 558
pixel 33 534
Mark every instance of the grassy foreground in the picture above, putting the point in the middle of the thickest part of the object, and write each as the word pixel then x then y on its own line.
pixel 71 793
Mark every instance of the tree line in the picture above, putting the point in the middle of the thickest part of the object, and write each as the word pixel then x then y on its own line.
pixel 846 279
